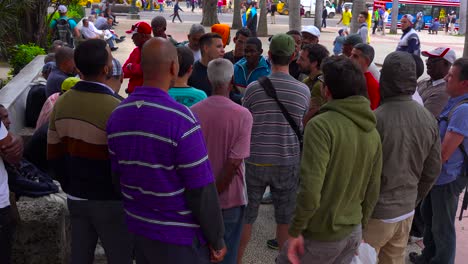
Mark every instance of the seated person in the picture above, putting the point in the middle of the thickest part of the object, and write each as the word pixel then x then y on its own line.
pixel 252 66
pixel 434 27
pixel 182 92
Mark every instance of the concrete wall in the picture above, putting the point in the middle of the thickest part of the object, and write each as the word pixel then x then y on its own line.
pixel 13 95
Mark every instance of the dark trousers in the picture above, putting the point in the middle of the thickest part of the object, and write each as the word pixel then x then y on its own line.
pixel 439 210
pixel 7 229
pixel 105 220
pixel 176 15
pixel 155 252
pixel 324 22
pixel 417 227
pixel 376 24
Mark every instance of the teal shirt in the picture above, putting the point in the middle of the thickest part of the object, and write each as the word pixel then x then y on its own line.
pixel 70 21
pixel 187 96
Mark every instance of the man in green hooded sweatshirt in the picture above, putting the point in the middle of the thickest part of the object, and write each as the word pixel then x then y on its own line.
pixel 340 171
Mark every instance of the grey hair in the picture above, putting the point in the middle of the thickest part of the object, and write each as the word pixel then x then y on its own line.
pixel 220 72
pixel 367 50
pixel 196 28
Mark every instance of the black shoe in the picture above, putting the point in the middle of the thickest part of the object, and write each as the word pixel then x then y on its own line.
pixel 417 258
pixel 114 48
pixel 123 37
pixel 273 244
pixel 119 40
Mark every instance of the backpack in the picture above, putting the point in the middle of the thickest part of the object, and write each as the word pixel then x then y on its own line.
pixel 465 159
pixel 34 102
pixel 63 31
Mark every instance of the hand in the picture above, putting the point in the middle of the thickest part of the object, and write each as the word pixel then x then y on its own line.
pixel 13 151
pixel 217 255
pixel 295 249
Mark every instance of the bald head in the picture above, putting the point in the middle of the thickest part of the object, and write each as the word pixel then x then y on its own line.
pixel 159 24
pixel 159 61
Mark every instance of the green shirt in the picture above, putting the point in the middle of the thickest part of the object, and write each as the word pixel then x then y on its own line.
pixel 187 96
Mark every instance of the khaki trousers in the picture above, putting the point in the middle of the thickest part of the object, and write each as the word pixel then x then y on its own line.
pixel 388 239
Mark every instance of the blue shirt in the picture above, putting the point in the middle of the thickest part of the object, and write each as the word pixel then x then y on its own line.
pixel 459 124
pixel 243 78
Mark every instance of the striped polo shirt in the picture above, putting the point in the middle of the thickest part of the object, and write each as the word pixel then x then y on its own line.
pixel 157 148
pixel 273 141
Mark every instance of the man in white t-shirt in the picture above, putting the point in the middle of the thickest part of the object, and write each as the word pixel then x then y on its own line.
pixel 11 150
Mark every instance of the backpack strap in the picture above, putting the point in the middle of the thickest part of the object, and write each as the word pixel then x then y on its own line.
pixel 267 85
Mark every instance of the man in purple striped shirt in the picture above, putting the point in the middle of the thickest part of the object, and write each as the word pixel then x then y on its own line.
pixel 159 155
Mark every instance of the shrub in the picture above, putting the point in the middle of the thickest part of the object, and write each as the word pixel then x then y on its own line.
pixel 21 55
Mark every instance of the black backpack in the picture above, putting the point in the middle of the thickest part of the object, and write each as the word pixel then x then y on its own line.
pixel 34 102
pixel 63 31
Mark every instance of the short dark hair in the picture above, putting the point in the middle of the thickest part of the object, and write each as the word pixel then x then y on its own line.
pixel 91 56
pixel 462 64
pixel 294 32
pixel 185 56
pixel 255 41
pixel 316 52
pixel 244 32
pixel 63 55
pixel 158 21
pixel 365 14
pixel 280 60
pixel 343 77
pixel 367 50
pixel 206 39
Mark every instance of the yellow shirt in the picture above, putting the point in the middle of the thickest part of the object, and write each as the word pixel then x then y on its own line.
pixel 347 18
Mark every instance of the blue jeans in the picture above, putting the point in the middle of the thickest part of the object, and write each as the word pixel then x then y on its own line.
pixel 161 7
pixel 233 223
pixel 439 210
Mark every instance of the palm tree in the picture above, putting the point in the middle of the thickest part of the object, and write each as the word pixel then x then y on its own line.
pixel 294 15
pixel 358 6
pixel 236 19
pixel 262 30
pixel 393 27
pixel 318 14
pixel 210 15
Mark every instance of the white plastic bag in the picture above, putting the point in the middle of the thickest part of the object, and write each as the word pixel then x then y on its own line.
pixel 367 255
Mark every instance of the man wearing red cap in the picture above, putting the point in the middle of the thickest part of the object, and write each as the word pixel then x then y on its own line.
pixel 141 32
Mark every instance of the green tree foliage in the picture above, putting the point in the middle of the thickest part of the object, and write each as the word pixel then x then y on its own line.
pixel 21 55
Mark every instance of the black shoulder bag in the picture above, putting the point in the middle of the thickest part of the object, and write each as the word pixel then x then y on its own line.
pixel 271 92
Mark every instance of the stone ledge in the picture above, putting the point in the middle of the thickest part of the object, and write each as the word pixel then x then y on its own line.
pixel 43 235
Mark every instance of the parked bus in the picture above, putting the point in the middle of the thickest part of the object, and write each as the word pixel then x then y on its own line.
pixel 431 9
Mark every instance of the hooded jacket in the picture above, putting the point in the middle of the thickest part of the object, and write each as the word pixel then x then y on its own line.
pixel 340 171
pixel 134 73
pixel 242 77
pixel 410 140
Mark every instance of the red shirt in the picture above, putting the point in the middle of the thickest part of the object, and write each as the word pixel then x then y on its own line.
pixel 373 90
pixel 134 73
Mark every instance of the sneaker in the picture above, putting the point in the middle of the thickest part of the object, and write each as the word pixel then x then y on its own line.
pixel 267 199
pixel 414 239
pixel 114 48
pixel 119 40
pixel 273 244
pixel 123 37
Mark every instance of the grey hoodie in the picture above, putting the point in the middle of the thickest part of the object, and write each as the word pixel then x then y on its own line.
pixel 410 140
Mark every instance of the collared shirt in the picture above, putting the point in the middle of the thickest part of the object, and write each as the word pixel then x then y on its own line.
pixel 458 123
pixel 88 32
pixel 433 95
pixel 157 148
pixel 54 82
pixel 315 86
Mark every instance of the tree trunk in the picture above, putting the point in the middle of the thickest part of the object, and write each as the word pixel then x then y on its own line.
pixel 210 15
pixel 236 18
pixel 318 14
pixel 393 27
pixel 358 6
pixel 294 15
pixel 462 20
pixel 262 30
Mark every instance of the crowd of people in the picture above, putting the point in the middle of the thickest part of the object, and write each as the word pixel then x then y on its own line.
pixel 176 172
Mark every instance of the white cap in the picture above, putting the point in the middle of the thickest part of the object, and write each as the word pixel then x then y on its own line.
pixel 313 30
pixel 62 9
pixel 442 52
